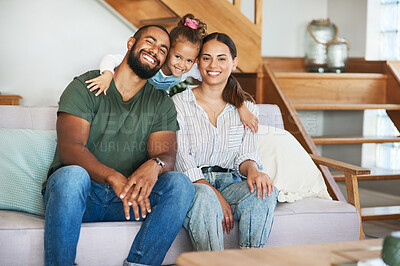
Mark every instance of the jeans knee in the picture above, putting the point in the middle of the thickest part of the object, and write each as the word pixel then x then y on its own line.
pixel 207 201
pixel 180 184
pixel 69 179
pixel 265 204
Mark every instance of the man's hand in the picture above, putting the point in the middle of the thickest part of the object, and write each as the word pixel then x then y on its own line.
pixel 138 187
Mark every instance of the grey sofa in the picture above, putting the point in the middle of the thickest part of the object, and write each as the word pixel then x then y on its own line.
pixel 307 221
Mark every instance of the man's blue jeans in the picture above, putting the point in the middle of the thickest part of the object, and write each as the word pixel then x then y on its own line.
pixel 72 198
pixel 204 219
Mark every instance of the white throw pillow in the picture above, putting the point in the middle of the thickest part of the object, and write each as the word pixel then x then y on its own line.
pixel 289 165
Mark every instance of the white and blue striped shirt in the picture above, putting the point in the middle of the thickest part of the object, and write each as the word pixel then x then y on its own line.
pixel 201 144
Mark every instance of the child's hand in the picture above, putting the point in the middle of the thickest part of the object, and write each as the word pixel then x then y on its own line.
pixel 248 119
pixel 101 83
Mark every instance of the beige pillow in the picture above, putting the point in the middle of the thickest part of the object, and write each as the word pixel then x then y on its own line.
pixel 289 165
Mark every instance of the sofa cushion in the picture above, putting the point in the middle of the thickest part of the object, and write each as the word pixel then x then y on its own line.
pixel 25 157
pixel 28 117
pixel 100 243
pixel 306 221
pixel 314 220
pixel 289 165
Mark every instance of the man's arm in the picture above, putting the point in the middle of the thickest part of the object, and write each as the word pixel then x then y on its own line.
pixel 72 136
pixel 161 144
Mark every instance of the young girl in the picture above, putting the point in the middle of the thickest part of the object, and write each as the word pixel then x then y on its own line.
pixel 186 41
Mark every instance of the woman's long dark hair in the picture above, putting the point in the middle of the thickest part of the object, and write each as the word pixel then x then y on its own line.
pixel 233 92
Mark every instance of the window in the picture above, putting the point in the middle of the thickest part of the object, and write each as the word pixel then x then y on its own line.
pixel 388 154
pixel 390 34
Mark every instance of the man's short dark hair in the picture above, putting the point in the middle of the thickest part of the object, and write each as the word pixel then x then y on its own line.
pixel 140 31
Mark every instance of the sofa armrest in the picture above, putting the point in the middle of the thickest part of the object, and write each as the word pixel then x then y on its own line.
pixel 350 175
pixel 338 165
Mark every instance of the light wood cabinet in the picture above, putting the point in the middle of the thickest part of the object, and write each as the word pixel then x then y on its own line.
pixel 10 99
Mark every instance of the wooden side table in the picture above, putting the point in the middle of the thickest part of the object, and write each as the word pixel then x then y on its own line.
pixel 9 99
pixel 299 255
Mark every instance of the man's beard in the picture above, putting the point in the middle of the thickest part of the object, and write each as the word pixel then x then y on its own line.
pixel 143 71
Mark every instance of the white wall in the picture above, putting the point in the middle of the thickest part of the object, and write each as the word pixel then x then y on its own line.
pixel 45 43
pixel 285 22
pixel 284 25
pixel 351 19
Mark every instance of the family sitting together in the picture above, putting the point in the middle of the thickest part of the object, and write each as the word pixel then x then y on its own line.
pixel 128 151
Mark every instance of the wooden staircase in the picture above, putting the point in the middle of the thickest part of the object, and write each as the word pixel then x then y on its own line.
pixel 220 15
pixel 366 85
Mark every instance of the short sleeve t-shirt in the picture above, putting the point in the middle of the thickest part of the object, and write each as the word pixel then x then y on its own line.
pixel 119 130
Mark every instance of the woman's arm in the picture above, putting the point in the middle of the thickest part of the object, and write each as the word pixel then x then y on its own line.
pixel 248 147
pixel 248 164
pixel 227 221
pixel 185 161
pixel 264 184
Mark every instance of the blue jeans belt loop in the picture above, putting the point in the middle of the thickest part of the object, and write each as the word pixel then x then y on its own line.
pixel 209 169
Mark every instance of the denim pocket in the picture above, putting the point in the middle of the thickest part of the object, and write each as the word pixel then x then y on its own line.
pixel 235 137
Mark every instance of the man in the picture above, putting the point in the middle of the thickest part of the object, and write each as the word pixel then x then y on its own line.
pixel 113 157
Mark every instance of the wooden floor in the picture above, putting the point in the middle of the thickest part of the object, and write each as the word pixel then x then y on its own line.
pixel 380 228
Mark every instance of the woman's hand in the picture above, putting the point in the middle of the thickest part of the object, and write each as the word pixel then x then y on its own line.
pixel 102 83
pixel 263 182
pixel 227 222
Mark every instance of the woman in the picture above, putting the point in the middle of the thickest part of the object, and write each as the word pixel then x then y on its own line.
pixel 220 156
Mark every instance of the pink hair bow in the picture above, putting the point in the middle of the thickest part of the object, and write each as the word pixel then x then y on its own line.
pixel 191 23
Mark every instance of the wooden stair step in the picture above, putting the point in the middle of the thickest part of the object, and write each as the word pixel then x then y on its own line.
pixel 380 213
pixel 341 76
pixel 330 140
pixel 331 91
pixel 349 107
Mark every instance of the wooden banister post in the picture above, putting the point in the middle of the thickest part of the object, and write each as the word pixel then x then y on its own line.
pixel 238 4
pixel 353 196
pixel 258 10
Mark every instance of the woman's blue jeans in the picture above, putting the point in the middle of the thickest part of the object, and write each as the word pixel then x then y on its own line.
pixel 72 198
pixel 204 219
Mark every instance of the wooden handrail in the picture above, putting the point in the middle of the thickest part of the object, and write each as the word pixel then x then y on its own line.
pixel 338 165
pixel 394 67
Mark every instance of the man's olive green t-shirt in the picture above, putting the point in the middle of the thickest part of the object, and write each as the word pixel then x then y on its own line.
pixel 119 130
